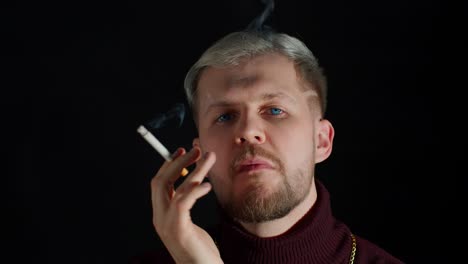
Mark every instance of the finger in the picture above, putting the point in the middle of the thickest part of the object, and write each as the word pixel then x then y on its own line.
pixel 162 192
pixel 184 201
pixel 155 181
pixel 166 176
pixel 201 170
pixel 179 152
pixel 172 171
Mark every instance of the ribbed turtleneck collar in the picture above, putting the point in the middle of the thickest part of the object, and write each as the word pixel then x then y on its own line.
pixel 316 238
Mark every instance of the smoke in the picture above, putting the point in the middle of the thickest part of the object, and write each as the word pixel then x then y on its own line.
pixel 258 23
pixel 175 115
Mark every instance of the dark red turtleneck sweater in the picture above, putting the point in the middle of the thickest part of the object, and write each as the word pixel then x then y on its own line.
pixel 317 238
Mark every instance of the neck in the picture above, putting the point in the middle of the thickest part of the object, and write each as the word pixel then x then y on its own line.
pixel 279 226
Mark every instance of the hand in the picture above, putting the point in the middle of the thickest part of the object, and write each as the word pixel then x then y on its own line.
pixel 185 241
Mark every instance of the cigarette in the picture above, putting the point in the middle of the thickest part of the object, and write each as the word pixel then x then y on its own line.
pixel 153 141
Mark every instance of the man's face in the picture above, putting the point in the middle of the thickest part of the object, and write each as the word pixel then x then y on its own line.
pixel 258 120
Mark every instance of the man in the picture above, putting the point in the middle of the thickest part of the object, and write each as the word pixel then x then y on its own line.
pixel 258 101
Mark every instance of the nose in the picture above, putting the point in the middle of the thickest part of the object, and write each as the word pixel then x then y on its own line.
pixel 250 131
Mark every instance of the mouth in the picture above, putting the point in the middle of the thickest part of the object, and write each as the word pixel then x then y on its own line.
pixel 252 165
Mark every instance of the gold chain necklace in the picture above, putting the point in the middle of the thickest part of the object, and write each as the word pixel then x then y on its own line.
pixel 353 250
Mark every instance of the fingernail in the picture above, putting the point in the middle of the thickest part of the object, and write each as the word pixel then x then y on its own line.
pixel 175 154
pixel 206 185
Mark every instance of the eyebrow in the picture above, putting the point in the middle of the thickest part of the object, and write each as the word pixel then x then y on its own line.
pixel 280 95
pixel 263 97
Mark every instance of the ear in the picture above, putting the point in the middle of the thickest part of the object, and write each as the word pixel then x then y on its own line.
pixel 324 140
pixel 196 143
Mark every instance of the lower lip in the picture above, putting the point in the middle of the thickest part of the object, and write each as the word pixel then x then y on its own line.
pixel 253 167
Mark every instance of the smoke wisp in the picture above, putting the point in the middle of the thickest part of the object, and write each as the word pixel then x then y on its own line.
pixel 175 115
pixel 258 23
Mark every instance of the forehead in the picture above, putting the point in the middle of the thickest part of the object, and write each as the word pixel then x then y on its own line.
pixel 266 73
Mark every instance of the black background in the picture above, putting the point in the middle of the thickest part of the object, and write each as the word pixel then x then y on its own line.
pixel 80 77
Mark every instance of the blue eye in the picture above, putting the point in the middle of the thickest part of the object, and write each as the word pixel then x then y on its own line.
pixel 276 111
pixel 224 118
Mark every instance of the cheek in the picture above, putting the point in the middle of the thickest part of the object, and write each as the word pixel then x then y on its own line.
pixel 220 146
pixel 295 144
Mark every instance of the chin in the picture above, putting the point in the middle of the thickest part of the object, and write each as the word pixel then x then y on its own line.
pixel 262 202
pixel 261 187
pixel 267 180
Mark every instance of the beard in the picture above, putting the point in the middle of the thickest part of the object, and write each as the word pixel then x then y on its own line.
pixel 260 202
